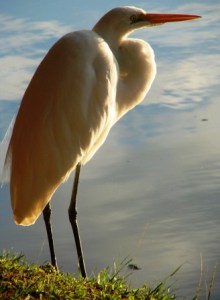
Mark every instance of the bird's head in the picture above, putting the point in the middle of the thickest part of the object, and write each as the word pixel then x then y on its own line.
pixel 120 21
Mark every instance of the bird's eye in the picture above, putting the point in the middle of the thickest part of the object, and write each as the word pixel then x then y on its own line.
pixel 133 18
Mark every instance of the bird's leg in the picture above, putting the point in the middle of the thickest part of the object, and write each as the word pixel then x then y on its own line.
pixel 72 217
pixel 47 215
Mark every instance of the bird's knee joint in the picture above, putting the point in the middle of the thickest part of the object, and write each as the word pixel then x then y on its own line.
pixel 72 215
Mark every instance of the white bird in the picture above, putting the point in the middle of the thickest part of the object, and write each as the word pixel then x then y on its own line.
pixel 87 81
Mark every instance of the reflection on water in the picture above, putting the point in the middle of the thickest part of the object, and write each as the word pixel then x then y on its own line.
pixel 152 191
pixel 156 200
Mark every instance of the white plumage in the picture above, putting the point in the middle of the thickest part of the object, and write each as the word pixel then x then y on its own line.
pixel 87 81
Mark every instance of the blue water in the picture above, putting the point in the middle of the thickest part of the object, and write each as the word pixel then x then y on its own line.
pixel 152 191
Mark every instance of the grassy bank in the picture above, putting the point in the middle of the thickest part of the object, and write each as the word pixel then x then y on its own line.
pixel 19 280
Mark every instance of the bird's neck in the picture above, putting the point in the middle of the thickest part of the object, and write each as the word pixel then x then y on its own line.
pixel 137 70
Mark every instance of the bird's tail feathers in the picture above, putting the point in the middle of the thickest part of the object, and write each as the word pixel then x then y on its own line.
pixel 5 160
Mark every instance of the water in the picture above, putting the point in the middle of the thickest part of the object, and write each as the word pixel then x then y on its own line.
pixel 152 191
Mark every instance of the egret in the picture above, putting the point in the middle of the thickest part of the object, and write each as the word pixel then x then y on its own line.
pixel 86 82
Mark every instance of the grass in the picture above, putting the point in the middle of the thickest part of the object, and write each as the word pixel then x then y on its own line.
pixel 209 286
pixel 19 280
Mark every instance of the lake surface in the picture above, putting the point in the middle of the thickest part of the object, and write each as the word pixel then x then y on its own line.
pixel 152 192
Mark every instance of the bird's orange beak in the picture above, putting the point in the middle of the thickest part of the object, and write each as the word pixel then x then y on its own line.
pixel 156 19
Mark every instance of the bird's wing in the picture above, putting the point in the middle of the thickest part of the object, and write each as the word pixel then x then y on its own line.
pixel 65 115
